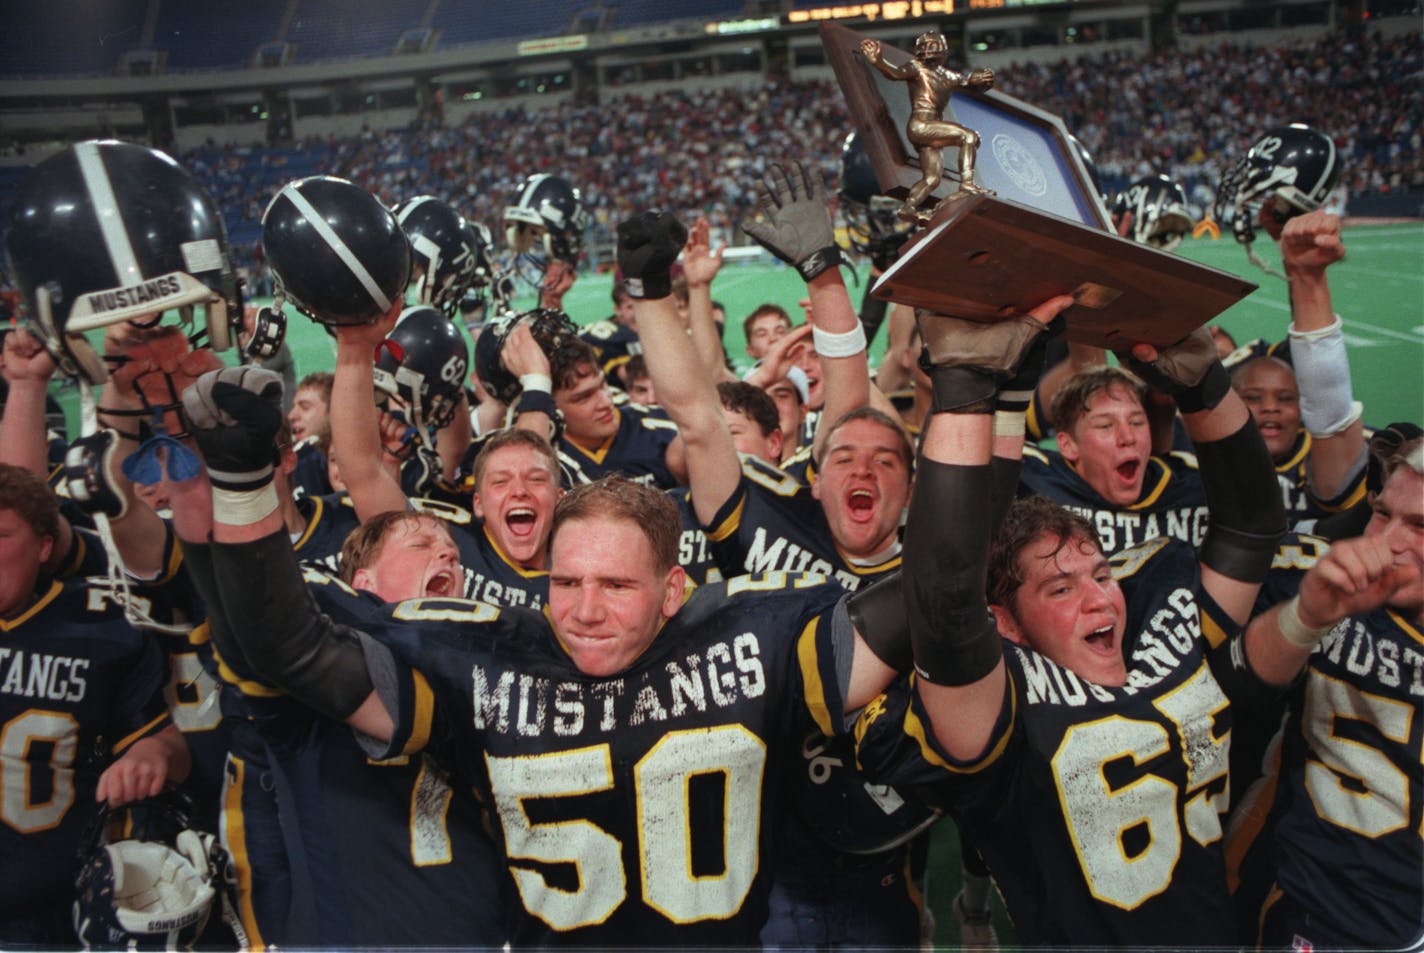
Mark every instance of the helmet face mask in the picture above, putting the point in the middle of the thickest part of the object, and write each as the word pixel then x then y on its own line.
pixel 106 232
pixel 545 222
pixel 1160 216
pixel 444 252
pixel 1287 172
pixel 551 329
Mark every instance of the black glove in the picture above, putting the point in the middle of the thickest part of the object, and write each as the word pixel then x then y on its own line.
pixel 968 360
pixel 234 415
pixel 648 244
pixel 1189 371
pixel 1016 393
pixel 792 222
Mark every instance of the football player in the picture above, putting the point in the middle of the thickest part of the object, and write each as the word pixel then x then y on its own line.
pixel 1350 788
pixel 308 417
pixel 1088 747
pixel 83 716
pixel 1104 468
pixel 629 708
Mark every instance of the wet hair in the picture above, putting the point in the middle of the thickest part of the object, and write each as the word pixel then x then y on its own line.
pixel 571 360
pixel 513 437
pixel 751 402
pixel 1029 520
pixel 31 498
pixel 907 450
pixel 617 497
pixel 364 543
pixel 1070 403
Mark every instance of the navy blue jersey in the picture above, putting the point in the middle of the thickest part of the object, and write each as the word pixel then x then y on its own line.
pixel 393 855
pixel 773 524
pixel 636 450
pixel 1301 503
pixel 310 478
pixel 637 808
pixel 490 575
pixel 1173 501
pixel 1348 816
pixel 800 466
pixel 613 342
pixel 694 554
pixel 78 686
pixel 330 519
pixel 1098 809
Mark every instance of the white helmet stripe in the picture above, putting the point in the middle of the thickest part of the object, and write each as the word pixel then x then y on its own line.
pixel 334 242
pixel 527 196
pixel 106 207
pixel 414 204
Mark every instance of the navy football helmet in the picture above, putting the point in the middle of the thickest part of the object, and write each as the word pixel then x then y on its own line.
pixel 337 254
pixel 154 887
pixel 1287 172
pixel 444 251
pixel 109 231
pixel 1160 216
pixel 552 329
pixel 546 220
pixel 872 224
pixel 423 362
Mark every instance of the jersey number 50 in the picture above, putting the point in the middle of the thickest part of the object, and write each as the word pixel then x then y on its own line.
pixel 665 840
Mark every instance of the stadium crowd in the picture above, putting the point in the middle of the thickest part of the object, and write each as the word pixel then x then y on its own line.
pixel 440 649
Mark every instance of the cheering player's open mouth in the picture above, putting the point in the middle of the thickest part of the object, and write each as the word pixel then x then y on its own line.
pixel 520 521
pixel 441 584
pixel 1128 469
pixel 1104 640
pixel 861 504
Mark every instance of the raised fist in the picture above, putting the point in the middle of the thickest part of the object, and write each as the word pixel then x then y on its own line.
pixel 648 244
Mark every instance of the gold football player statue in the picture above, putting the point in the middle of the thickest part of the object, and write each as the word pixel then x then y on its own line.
pixel 928 130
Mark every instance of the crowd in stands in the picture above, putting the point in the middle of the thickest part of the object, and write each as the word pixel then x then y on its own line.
pixel 1184 113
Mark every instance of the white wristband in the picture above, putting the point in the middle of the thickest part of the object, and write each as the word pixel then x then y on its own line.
pixel 1322 373
pixel 842 344
pixel 1010 423
pixel 542 383
pixel 244 507
pixel 1295 631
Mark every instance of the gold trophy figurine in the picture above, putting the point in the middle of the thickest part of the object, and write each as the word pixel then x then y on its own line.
pixel 928 131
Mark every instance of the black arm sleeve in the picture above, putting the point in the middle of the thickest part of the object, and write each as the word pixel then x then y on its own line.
pixel 878 613
pixel 872 313
pixel 1248 516
pixel 946 558
pixel 282 633
pixel 1005 474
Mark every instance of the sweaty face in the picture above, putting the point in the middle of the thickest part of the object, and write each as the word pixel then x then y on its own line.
pixel 417 559
pixel 748 438
pixel 589 415
pixel 1069 608
pixel 308 413
pixel 607 595
pixel 1268 388
pixel 22 552
pixel 1399 512
pixel 515 498
pixel 1110 444
pixel 863 482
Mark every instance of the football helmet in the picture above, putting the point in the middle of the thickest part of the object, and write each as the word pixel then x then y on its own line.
pixel 107 231
pixel 552 329
pixel 156 886
pixel 1160 216
pixel 546 220
pixel 337 254
pixel 423 362
pixel 443 250
pixel 1287 172
pixel 872 226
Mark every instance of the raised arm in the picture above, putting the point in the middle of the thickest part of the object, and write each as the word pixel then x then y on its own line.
pixel 1310 244
pixel 1247 515
pixel 700 265
pixel 871 50
pixel 793 223
pixel 355 431
pixel 648 244
pixel 234 414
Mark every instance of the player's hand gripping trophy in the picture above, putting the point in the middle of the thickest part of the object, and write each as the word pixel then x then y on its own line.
pixel 928 130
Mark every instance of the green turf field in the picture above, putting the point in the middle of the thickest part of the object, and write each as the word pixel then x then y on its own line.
pixel 1378 289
